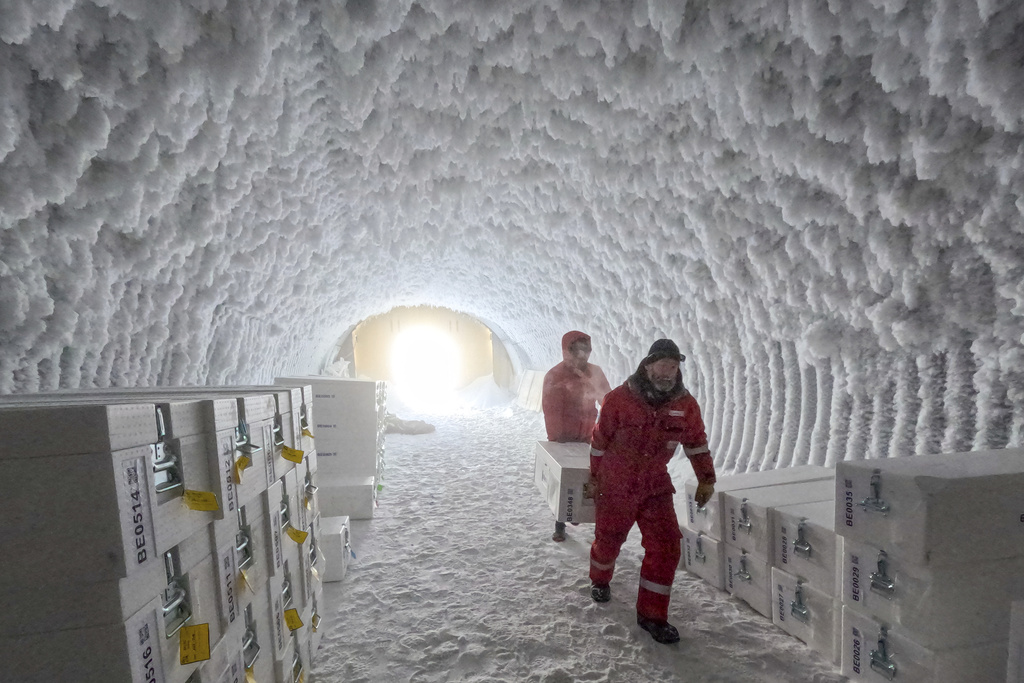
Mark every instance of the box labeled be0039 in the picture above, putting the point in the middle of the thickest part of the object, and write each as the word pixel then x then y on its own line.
pixel 561 470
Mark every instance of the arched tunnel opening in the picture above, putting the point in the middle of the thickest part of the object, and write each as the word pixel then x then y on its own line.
pixel 428 355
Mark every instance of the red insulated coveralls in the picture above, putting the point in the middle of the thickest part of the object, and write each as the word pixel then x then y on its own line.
pixel 630 451
pixel 570 395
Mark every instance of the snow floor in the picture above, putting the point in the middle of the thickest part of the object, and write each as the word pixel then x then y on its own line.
pixel 456 579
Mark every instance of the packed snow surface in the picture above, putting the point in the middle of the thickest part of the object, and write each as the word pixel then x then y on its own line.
pixel 456 579
pixel 820 200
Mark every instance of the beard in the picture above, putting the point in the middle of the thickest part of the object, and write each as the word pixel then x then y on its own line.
pixel 663 383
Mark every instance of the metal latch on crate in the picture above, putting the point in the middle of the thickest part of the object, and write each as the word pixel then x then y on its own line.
pixel 303 420
pixel 881 582
pixel 699 554
pixel 874 503
pixel 250 643
pixel 880 661
pixel 296 665
pixel 311 488
pixel 314 552
pixel 800 546
pixel 278 431
pixel 743 574
pixel 166 460
pixel 286 515
pixel 744 522
pixel 286 587
pixel 797 607
pixel 243 541
pixel 176 608
pixel 243 442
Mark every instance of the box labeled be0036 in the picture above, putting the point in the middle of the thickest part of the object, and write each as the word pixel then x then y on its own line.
pixel 561 470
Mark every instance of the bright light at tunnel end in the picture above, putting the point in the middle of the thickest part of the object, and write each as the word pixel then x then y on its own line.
pixel 425 367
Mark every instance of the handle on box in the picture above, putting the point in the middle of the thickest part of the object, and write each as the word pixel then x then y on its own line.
pixel 744 522
pixel 874 503
pixel 797 607
pixel 880 662
pixel 881 582
pixel 743 574
pixel 800 546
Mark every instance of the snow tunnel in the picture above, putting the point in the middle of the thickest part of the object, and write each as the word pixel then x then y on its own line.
pixel 819 201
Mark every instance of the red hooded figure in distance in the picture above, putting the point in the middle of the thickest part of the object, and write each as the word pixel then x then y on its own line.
pixel 572 390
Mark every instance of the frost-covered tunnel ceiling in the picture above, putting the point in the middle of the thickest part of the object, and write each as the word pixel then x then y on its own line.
pixel 820 200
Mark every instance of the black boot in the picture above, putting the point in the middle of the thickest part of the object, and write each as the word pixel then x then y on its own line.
pixel 661 631
pixel 601 592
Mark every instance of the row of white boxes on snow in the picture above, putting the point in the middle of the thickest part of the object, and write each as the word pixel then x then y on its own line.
pixel 349 426
pixel 933 562
pixel 137 521
pixel 767 538
pixel 906 570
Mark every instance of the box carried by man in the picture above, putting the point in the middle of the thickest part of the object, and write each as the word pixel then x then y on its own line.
pixel 560 472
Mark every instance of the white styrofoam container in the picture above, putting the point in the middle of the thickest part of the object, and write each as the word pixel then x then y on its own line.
pixel 120 523
pixel 1015 660
pixel 938 607
pixel 871 654
pixel 807 613
pixel 347 423
pixel 807 546
pixel 709 518
pixel 749 578
pixel 336 544
pixel 355 497
pixel 560 471
pixel 938 509
pixel 32 429
pixel 748 513
pixel 129 651
pixel 703 556
pixel 67 604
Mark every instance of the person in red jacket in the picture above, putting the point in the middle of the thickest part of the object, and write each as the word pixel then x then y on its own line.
pixel 642 423
pixel 572 391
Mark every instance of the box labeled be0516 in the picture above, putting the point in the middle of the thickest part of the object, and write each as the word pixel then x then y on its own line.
pixel 560 471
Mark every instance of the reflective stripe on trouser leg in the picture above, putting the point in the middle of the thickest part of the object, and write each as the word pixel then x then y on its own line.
pixel 660 539
pixel 614 516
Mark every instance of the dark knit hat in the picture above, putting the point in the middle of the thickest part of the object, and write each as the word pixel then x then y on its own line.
pixel 664 348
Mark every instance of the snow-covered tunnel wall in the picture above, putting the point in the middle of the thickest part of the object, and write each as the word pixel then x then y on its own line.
pixel 819 199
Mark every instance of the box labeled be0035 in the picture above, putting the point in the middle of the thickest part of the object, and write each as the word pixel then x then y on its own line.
pixel 561 470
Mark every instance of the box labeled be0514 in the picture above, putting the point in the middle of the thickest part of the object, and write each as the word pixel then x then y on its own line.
pixel 560 471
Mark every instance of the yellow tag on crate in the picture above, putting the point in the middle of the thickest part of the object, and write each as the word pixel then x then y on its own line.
pixel 292 454
pixel 296 535
pixel 306 432
pixel 250 677
pixel 244 580
pixel 195 643
pixel 309 505
pixel 204 501
pixel 292 619
pixel 242 464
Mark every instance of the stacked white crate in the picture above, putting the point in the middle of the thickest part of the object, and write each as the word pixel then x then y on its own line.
pixel 703 528
pixel 349 425
pixel 89 455
pixel 807 559
pixel 748 519
pixel 933 558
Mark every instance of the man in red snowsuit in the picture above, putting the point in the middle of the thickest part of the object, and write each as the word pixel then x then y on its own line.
pixel 572 390
pixel 642 422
